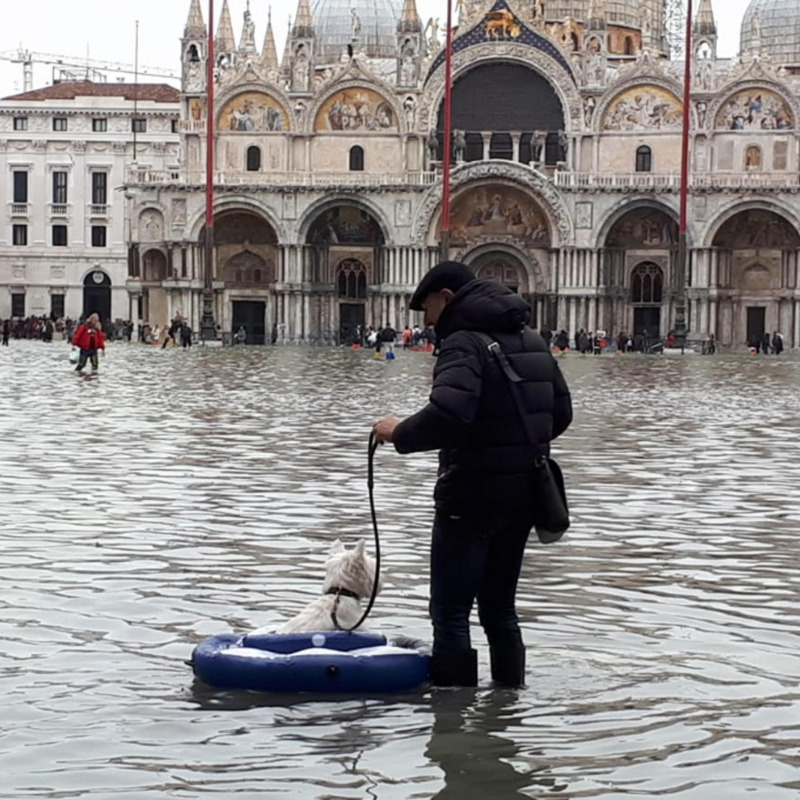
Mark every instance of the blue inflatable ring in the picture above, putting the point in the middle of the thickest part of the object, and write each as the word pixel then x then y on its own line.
pixel 330 661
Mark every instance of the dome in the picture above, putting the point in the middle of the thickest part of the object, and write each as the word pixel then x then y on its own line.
pixel 334 27
pixel 773 27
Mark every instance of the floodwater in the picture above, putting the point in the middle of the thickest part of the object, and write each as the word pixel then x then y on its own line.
pixel 182 494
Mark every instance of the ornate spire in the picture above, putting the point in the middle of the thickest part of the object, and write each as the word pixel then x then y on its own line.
pixel 247 44
pixel 286 61
pixel 597 15
pixel 225 40
pixel 704 22
pixel 195 24
pixel 269 55
pixel 303 24
pixel 409 21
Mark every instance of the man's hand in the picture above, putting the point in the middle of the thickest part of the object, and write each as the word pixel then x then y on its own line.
pixel 384 429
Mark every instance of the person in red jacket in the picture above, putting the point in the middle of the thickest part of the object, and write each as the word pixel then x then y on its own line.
pixel 89 337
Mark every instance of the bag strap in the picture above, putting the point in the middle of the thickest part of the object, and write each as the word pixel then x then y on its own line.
pixel 514 379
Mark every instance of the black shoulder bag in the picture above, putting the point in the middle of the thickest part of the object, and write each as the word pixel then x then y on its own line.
pixel 551 512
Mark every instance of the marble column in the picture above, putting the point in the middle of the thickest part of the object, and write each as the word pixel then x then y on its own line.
pixel 515 140
pixel 487 143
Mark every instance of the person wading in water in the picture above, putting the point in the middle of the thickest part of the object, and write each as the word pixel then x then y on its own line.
pixel 89 337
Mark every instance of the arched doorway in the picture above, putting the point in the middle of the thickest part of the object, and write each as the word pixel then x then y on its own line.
pixel 97 295
pixel 508 269
pixel 500 106
pixel 638 264
pixel 345 253
pixel 757 257
pixel 247 256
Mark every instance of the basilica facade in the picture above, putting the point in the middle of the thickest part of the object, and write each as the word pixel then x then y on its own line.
pixel 566 170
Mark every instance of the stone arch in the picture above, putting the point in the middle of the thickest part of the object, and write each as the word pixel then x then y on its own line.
pixel 246 204
pixel 154 265
pixel 350 279
pixel 237 99
pixel 550 201
pixel 488 260
pixel 248 269
pixel 561 79
pixel 716 225
pixel 623 208
pixel 317 209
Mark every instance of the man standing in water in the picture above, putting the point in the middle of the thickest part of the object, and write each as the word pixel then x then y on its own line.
pixel 484 510
pixel 89 337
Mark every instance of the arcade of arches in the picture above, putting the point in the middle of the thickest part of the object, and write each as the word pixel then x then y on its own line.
pixel 346 275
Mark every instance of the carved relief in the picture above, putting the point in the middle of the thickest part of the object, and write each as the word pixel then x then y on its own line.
pixel 643 108
pixel 289 206
pixel 755 109
pixel 178 212
pixel 151 226
pixel 402 213
pixel 583 216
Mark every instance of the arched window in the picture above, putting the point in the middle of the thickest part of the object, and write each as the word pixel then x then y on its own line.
pixel 351 283
pixel 193 55
pixel 253 158
pixel 644 159
pixel 576 43
pixel 356 159
pixel 647 285
pixel 629 47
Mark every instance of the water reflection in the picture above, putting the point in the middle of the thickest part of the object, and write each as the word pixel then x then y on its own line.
pixel 185 494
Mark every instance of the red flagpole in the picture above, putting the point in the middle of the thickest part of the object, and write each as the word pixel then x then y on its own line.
pixel 448 130
pixel 683 245
pixel 207 326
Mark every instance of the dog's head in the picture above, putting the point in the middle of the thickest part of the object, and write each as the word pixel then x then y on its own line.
pixel 350 569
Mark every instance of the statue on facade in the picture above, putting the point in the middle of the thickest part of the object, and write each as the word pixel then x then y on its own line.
pixel 194 77
pixel 434 45
pixel 410 107
pixel 563 146
pixel 702 108
pixel 539 142
pixel 408 69
pixel 589 106
pixel 459 147
pixel 300 70
pixel 355 27
pixel 433 145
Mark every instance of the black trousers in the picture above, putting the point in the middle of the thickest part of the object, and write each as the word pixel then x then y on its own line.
pixel 474 558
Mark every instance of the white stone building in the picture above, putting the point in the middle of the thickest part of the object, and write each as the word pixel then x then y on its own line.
pixel 65 151
pixel 329 189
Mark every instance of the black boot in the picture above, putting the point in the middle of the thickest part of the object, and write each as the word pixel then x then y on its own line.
pixel 508 664
pixel 457 668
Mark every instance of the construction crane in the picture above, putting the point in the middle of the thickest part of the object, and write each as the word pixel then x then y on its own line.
pixel 79 68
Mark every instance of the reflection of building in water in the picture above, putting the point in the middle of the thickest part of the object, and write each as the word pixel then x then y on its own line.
pixel 329 168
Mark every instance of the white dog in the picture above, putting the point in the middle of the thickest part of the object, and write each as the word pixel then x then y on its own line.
pixel 348 580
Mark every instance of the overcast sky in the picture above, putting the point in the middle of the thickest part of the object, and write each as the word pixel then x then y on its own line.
pixel 105 28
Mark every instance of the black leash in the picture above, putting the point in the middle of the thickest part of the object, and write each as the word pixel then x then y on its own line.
pixel 373 447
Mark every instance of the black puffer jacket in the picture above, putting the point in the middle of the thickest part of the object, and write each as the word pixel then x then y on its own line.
pixel 485 459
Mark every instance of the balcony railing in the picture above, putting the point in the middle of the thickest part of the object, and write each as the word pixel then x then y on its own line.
pixel 652 181
pixel 305 179
pixel 20 209
pixel 617 181
pixel 192 126
pixel 59 209
pixel 98 210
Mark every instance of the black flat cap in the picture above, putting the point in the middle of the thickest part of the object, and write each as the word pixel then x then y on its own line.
pixel 450 275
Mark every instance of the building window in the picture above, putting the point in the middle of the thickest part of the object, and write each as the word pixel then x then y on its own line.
pixel 139 125
pixel 644 159
pixel 59 124
pixel 99 125
pixel 20 186
pixel 57 306
pixel 647 285
pixel 629 46
pixel 20 123
pixel 99 188
pixel 174 126
pixel 59 235
pixel 253 159
pixel 356 159
pixel 98 235
pixel 18 304
pixel 352 280
pixel 19 235
pixel 194 57
pixel 60 188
